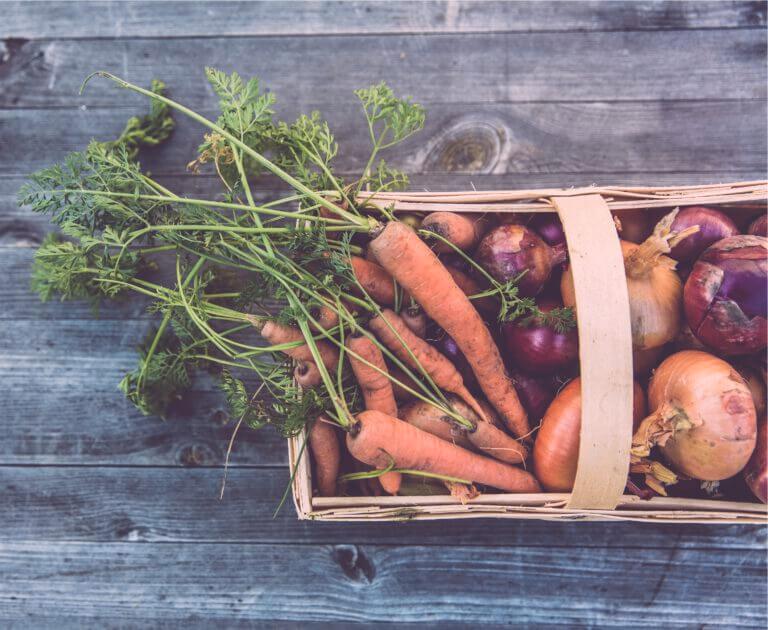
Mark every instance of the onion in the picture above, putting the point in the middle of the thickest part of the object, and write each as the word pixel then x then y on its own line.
pixel 447 346
pixel 756 471
pixel 509 250
pixel 759 227
pixel 703 417
pixel 535 393
pixel 726 295
pixel 556 450
pixel 549 227
pixel 635 225
pixel 655 290
pixel 713 226
pixel 686 340
pixel 536 348
pixel 756 387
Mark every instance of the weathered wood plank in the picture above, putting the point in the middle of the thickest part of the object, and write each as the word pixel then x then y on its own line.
pixel 719 137
pixel 185 19
pixel 466 68
pixel 122 504
pixel 151 583
pixel 20 227
pixel 85 426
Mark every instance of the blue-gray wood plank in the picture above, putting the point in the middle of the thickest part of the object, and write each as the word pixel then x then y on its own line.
pixel 111 519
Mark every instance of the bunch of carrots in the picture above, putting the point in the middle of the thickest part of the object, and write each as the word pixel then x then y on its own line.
pixel 348 296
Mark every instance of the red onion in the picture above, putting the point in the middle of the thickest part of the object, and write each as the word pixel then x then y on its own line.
pixel 759 227
pixel 726 295
pixel 509 250
pixel 714 225
pixel 549 227
pixel 535 393
pixel 536 348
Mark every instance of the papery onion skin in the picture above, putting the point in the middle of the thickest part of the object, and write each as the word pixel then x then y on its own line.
pixel 556 450
pixel 756 470
pixel 726 295
pixel 712 395
pixel 539 349
pixel 654 302
pixel 759 227
pixel 714 226
pixel 508 250
pixel 643 361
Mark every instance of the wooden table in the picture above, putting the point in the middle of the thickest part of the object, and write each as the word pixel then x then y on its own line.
pixel 113 519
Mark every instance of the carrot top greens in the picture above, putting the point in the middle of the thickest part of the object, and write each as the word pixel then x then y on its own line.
pixel 213 269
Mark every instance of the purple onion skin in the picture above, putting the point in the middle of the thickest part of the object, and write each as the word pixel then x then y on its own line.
pixel 759 227
pixel 447 346
pixel 508 250
pixel 713 226
pixel 535 393
pixel 549 227
pixel 726 295
pixel 539 350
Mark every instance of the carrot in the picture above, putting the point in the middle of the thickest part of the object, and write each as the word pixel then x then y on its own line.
pixel 277 334
pixel 463 230
pixel 377 282
pixel 306 374
pixel 414 265
pixel 429 418
pixel 324 446
pixel 415 319
pixel 376 387
pixel 378 440
pixel 377 391
pixel 485 437
pixel 325 316
pixel 390 329
pixel 469 286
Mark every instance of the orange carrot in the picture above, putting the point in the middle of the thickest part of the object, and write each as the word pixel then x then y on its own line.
pixel 429 418
pixel 463 230
pixel 485 437
pixel 390 329
pixel 414 265
pixel 378 439
pixel 324 447
pixel 376 387
pixel 306 374
pixel 277 334
pixel 377 282
pixel 325 316
pixel 377 391
pixel 486 305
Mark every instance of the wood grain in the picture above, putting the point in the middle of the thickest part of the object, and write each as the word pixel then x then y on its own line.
pixel 185 19
pixel 466 68
pixel 151 583
pixel 149 504
pixel 565 138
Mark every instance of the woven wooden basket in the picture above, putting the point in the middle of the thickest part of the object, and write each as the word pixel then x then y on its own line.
pixel 605 349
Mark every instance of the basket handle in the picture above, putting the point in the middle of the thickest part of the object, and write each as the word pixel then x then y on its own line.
pixel 605 351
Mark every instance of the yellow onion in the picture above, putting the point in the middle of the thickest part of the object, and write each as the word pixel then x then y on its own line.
pixel 556 450
pixel 703 418
pixel 655 290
